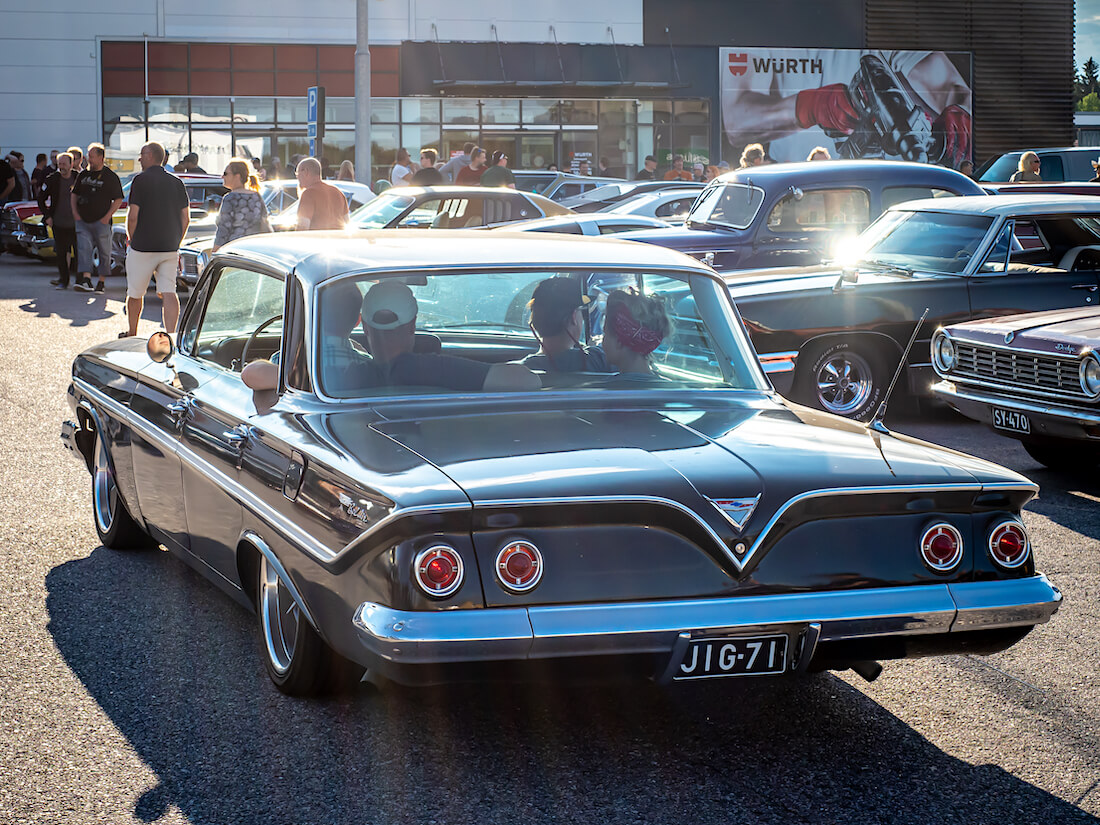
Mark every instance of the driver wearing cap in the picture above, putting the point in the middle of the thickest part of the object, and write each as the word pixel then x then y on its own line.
pixel 389 317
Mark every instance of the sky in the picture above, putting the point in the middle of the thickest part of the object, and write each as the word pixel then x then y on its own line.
pixel 1088 31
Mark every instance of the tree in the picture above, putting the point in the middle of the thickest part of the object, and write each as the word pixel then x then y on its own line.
pixel 1086 82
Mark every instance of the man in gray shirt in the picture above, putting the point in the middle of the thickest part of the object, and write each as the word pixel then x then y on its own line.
pixel 451 168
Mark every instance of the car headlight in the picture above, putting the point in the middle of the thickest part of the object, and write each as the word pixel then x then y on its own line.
pixel 943 352
pixel 1090 375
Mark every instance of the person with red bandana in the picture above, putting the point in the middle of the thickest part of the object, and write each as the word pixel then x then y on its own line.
pixel 635 326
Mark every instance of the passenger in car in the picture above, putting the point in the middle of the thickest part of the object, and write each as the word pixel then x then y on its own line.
pixel 389 312
pixel 557 323
pixel 636 325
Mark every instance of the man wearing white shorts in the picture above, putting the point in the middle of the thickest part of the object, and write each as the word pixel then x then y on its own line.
pixel 157 221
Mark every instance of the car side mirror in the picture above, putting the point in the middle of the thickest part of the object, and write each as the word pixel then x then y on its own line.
pixel 160 348
pixel 796 193
pixel 848 275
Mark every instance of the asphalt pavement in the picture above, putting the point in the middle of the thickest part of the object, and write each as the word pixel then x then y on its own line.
pixel 132 690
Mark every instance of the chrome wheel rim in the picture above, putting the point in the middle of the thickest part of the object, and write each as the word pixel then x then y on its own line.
pixel 844 383
pixel 279 615
pixel 104 491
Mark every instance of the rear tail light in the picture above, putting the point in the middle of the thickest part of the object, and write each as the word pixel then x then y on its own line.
pixel 519 566
pixel 941 547
pixel 1009 545
pixel 438 570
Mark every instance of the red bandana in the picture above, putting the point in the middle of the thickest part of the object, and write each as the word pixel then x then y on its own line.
pixel 631 333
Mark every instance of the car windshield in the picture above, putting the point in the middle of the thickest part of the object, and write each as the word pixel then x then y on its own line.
pixel 469 325
pixel 380 212
pixel 927 241
pixel 727 204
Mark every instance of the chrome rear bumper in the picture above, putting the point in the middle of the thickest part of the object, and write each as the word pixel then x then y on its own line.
pixel 519 633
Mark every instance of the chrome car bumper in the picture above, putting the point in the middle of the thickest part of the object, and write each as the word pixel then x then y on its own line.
pixel 1047 418
pixel 524 633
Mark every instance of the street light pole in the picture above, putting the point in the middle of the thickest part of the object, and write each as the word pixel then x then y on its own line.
pixel 362 94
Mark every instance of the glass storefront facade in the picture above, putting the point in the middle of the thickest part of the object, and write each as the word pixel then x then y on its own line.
pixel 533 132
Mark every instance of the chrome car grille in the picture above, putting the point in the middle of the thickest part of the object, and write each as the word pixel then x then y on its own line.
pixel 189 263
pixel 36 230
pixel 1023 371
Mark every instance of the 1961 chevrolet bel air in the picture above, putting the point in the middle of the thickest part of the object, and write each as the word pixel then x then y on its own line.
pixel 435 510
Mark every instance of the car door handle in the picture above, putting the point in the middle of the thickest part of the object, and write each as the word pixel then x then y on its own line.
pixel 238 436
pixel 1089 287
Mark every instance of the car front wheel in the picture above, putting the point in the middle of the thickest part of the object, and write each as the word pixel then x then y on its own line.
pixel 297 658
pixel 114 525
pixel 846 379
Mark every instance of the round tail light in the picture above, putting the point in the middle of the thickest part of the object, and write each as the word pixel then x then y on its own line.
pixel 519 566
pixel 438 570
pixel 941 547
pixel 1009 545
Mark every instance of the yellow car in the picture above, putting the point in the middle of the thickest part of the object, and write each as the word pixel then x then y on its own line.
pixel 37 239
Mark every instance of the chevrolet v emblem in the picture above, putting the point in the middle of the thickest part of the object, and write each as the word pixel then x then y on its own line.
pixel 736 510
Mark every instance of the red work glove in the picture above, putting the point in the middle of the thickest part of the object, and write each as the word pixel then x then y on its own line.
pixel 952 133
pixel 828 107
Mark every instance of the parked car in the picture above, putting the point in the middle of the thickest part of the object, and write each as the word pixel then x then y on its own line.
pixel 794 214
pixel 12 216
pixel 662 525
pixel 832 335
pixel 204 192
pixel 357 194
pixel 452 207
pixel 1070 163
pixel 1033 377
pixel 195 250
pixel 670 205
pixel 603 196
pixel 594 223
pixel 557 186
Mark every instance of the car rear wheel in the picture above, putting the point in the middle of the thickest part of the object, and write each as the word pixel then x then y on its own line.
pixel 1064 455
pixel 297 658
pixel 113 524
pixel 845 379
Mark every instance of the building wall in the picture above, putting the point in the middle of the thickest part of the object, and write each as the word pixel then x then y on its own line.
pixel 51 91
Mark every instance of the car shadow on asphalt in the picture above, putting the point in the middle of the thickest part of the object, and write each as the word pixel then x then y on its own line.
pixel 175 665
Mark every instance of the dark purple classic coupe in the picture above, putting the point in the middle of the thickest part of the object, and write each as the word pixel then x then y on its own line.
pixel 1033 377
pixel 793 214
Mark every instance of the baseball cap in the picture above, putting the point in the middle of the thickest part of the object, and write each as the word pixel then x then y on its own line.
pixel 388 305
pixel 553 302
pixel 723 164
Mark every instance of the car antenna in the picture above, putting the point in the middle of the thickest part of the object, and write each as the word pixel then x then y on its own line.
pixel 876 422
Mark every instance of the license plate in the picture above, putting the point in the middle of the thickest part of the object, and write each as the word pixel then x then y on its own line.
pixel 1010 420
pixel 734 656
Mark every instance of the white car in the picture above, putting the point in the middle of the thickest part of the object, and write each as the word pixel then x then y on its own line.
pixel 594 223
pixel 670 205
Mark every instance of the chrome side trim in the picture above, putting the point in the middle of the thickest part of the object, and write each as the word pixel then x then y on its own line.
pixel 516 633
pixel 774 362
pixel 1074 415
pixel 261 545
pixel 233 488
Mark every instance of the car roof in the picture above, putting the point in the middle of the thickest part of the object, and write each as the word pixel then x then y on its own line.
pixel 1007 205
pixel 318 256
pixel 578 218
pixel 805 173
